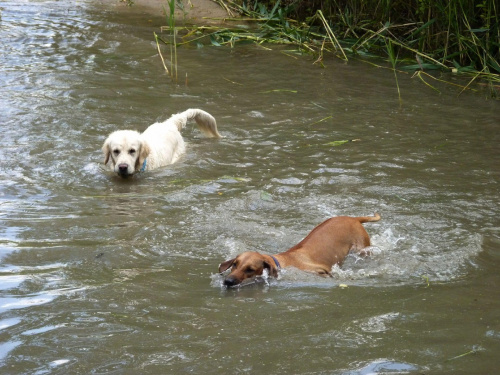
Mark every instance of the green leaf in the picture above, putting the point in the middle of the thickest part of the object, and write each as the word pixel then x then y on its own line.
pixel 214 42
pixel 336 143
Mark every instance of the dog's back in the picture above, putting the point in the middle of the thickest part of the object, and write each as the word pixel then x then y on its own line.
pixel 165 139
pixel 331 241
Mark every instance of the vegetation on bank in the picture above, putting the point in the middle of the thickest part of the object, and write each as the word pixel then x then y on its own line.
pixel 461 36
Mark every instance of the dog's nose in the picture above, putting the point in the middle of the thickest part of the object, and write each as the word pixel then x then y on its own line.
pixel 230 281
pixel 123 168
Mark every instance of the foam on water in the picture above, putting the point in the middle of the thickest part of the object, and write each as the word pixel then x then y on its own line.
pixel 400 254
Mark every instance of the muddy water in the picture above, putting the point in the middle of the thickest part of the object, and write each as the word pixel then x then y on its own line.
pixel 101 275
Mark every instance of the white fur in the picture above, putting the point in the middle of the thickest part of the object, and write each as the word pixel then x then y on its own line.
pixel 160 144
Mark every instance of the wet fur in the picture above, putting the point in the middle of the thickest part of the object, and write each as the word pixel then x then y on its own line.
pixel 326 245
pixel 161 143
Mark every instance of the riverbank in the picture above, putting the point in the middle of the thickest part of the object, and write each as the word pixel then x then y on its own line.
pixel 410 42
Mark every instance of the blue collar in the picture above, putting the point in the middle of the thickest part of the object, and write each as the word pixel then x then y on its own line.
pixel 276 261
pixel 143 168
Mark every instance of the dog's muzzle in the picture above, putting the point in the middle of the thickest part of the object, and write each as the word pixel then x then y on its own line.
pixel 231 281
pixel 123 170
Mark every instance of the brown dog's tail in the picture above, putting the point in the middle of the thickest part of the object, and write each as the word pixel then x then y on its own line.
pixel 366 219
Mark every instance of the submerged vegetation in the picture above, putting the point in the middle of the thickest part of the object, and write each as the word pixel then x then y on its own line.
pixel 459 36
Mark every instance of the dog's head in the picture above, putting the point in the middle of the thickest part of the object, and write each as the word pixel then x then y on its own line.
pixel 126 151
pixel 247 266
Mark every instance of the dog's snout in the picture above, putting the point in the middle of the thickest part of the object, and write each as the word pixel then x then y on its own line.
pixel 123 169
pixel 230 281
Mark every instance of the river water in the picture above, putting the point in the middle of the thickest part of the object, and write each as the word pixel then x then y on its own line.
pixel 100 275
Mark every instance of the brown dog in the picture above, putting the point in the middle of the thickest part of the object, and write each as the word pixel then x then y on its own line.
pixel 327 244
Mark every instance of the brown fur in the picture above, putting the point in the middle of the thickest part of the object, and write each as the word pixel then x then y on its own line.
pixel 326 245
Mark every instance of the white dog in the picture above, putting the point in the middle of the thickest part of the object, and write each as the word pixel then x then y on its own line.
pixel 129 152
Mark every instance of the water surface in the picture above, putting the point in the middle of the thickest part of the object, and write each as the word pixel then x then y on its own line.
pixel 103 275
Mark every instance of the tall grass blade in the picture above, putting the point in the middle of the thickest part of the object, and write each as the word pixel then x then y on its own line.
pixel 330 33
pixel 393 61
pixel 159 53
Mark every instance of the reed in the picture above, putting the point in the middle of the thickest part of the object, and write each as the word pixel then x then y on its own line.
pixel 173 44
pixel 393 59
pixel 460 36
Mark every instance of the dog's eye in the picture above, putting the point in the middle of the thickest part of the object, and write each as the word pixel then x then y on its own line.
pixel 116 152
pixel 131 151
pixel 249 270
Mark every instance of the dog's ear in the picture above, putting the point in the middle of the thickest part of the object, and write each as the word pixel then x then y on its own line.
pixel 273 271
pixel 107 151
pixel 225 265
pixel 143 154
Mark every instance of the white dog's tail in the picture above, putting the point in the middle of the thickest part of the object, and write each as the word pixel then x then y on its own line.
pixel 206 122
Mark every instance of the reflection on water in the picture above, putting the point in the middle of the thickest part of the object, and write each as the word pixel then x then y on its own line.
pixel 102 275
pixel 20 303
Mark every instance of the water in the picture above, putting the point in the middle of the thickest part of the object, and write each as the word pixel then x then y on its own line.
pixel 103 275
